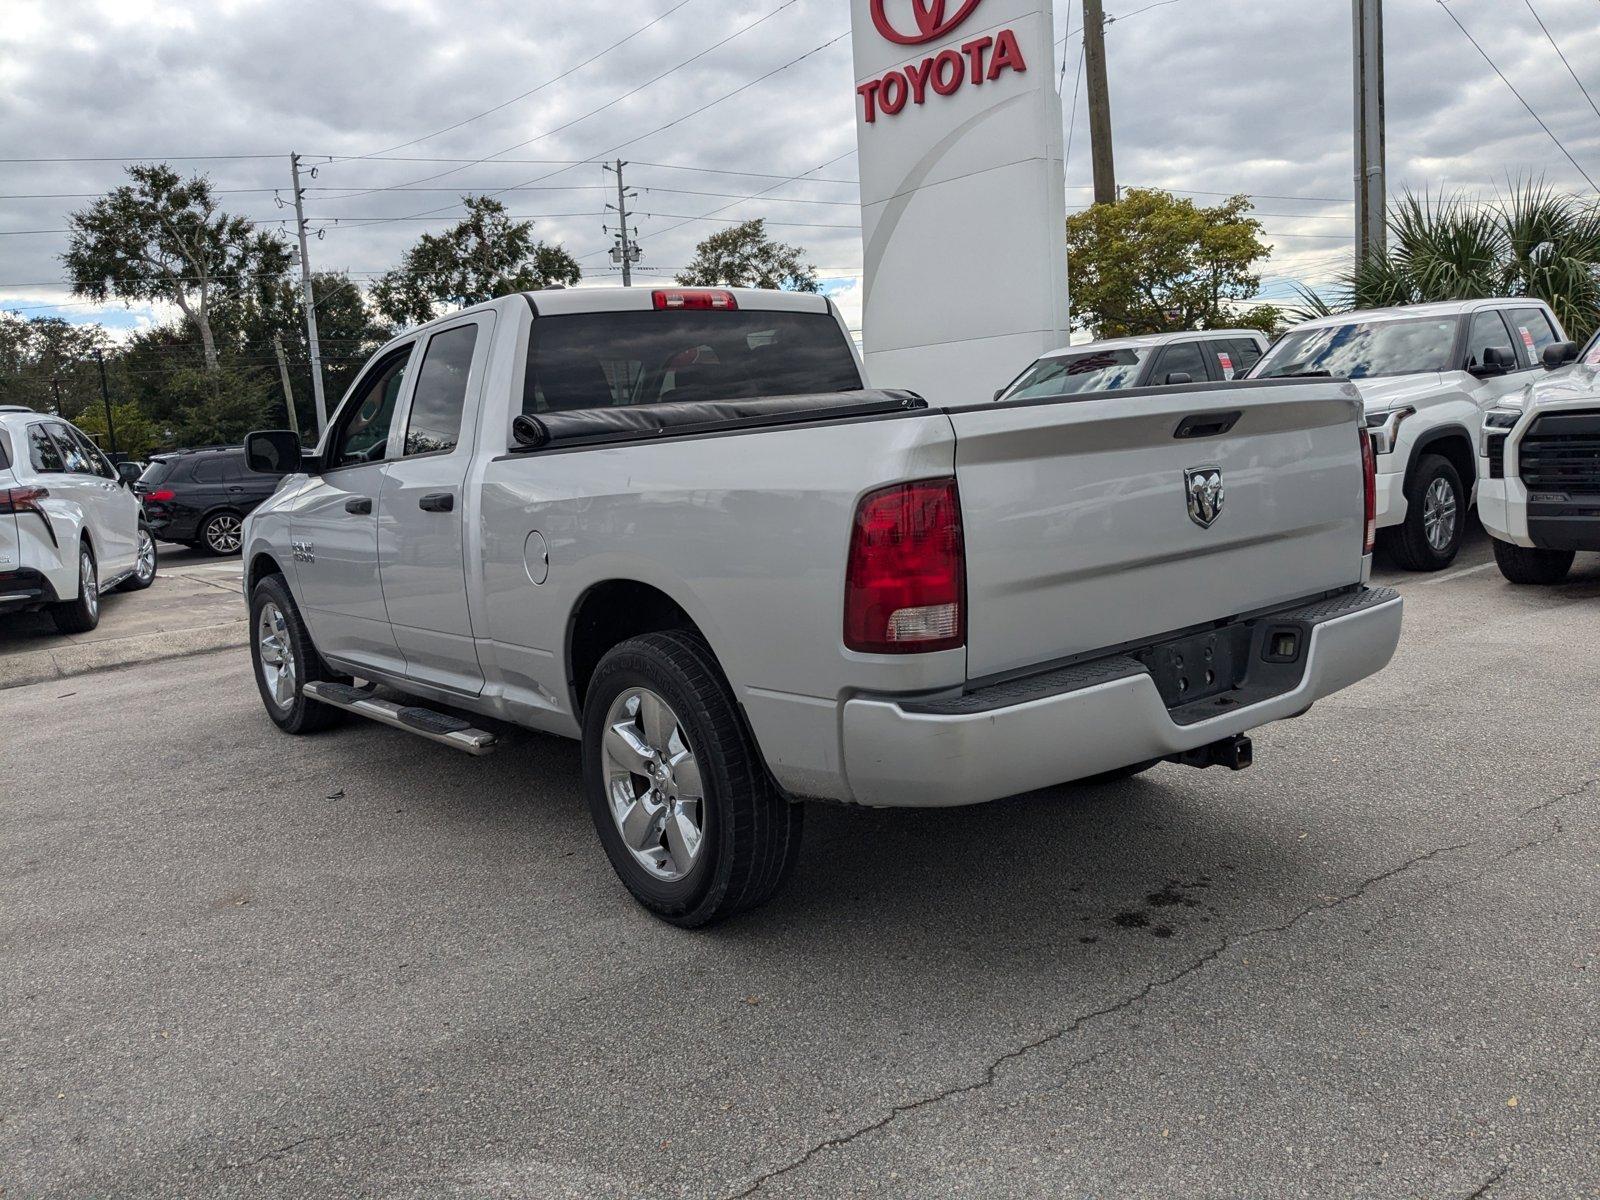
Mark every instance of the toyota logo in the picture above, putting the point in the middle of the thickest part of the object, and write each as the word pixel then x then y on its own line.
pixel 932 23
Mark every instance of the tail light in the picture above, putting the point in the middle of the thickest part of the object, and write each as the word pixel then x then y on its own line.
pixel 1369 481
pixel 905 586
pixel 24 499
pixel 691 298
pixel 159 496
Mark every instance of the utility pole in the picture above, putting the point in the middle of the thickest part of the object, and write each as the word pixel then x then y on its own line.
pixel 288 388
pixel 1094 66
pixel 55 390
pixel 626 251
pixel 1372 232
pixel 310 301
pixel 105 397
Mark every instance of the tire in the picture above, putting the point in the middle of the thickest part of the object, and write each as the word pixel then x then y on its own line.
pixel 144 570
pixel 748 834
pixel 82 613
pixel 222 533
pixel 276 630
pixel 1420 544
pixel 1519 564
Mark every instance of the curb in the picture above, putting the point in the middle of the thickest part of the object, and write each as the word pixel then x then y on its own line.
pixel 41 666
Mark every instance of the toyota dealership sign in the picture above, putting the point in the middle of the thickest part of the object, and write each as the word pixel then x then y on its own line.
pixel 962 209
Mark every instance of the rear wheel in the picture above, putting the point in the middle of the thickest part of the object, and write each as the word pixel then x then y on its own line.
pixel 144 566
pixel 1436 517
pixel 223 533
pixel 285 660
pixel 1522 564
pixel 81 614
pixel 677 790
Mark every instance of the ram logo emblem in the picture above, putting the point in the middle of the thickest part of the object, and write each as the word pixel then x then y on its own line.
pixel 304 552
pixel 1203 488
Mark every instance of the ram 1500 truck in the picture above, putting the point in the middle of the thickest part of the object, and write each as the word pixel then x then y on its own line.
pixel 676 525
pixel 1540 495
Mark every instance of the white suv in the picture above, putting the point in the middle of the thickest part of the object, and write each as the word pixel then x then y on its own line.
pixel 70 527
pixel 1427 373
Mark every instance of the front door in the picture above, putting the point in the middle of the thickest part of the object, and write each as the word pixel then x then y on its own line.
pixel 334 529
pixel 423 510
pixel 103 499
pixel 1487 330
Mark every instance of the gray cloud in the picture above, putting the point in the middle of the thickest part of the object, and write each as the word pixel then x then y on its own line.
pixel 1209 95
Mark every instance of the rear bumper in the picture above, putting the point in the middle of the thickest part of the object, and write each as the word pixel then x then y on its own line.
pixel 1085 719
pixel 25 589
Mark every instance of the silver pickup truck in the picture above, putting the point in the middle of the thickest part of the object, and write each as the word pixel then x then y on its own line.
pixel 676 525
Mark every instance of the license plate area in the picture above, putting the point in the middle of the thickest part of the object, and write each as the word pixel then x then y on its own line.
pixel 1200 666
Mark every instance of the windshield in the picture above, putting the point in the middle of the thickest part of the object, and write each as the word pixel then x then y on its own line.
pixel 596 360
pixel 1362 349
pixel 1063 375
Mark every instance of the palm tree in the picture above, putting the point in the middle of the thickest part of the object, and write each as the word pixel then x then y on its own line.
pixel 1533 241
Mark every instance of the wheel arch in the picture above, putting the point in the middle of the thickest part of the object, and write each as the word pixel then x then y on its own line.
pixel 261 564
pixel 609 612
pixel 1452 443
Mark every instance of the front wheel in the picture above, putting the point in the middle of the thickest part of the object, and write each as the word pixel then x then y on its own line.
pixel 285 660
pixel 144 566
pixel 82 613
pixel 1521 564
pixel 1436 517
pixel 677 790
pixel 223 533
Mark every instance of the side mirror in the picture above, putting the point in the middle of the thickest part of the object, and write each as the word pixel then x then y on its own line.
pixel 1559 354
pixel 1494 364
pixel 274 452
pixel 129 473
pixel 998 392
pixel 1179 377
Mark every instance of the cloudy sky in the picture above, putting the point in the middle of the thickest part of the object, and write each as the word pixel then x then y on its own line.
pixel 713 101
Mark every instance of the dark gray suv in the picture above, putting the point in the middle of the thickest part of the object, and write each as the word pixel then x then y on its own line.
pixel 200 497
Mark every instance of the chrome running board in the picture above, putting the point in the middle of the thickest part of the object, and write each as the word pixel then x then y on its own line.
pixel 426 723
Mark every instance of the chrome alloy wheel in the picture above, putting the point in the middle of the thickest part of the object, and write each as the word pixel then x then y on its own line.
pixel 88 581
pixel 1439 514
pixel 223 533
pixel 653 786
pixel 145 567
pixel 276 653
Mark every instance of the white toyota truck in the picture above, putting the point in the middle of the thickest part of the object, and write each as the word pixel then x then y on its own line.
pixel 1427 373
pixel 676 525
pixel 1540 492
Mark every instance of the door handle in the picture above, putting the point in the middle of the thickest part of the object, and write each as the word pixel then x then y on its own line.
pixel 359 505
pixel 437 502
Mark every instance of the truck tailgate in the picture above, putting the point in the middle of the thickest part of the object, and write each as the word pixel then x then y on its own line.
pixel 1077 515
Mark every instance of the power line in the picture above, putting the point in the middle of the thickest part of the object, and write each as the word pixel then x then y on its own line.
pixel 145 158
pixel 1517 94
pixel 585 116
pixel 1562 57
pixel 524 95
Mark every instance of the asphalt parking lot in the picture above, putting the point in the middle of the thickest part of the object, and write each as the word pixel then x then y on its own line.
pixel 240 964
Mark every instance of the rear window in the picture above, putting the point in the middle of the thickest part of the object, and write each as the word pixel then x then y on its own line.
pixel 601 360
pixel 1363 348
pixel 1066 374
pixel 156 472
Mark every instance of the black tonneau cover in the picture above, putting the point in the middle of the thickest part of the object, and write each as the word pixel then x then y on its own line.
pixel 535 431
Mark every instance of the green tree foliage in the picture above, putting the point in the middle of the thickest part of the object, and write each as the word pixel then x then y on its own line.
pixel 137 435
pixel 163 238
pixel 744 256
pixel 1533 241
pixel 45 358
pixel 1152 263
pixel 484 256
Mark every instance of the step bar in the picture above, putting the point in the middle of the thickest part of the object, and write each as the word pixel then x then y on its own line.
pixel 426 723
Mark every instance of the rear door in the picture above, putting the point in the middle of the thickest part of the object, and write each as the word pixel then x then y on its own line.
pixel 10 545
pixel 1082 532
pixel 95 496
pixel 120 507
pixel 335 523
pixel 421 515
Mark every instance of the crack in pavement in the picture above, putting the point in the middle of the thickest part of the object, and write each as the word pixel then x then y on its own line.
pixel 298 1142
pixel 1484 1188
pixel 991 1072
